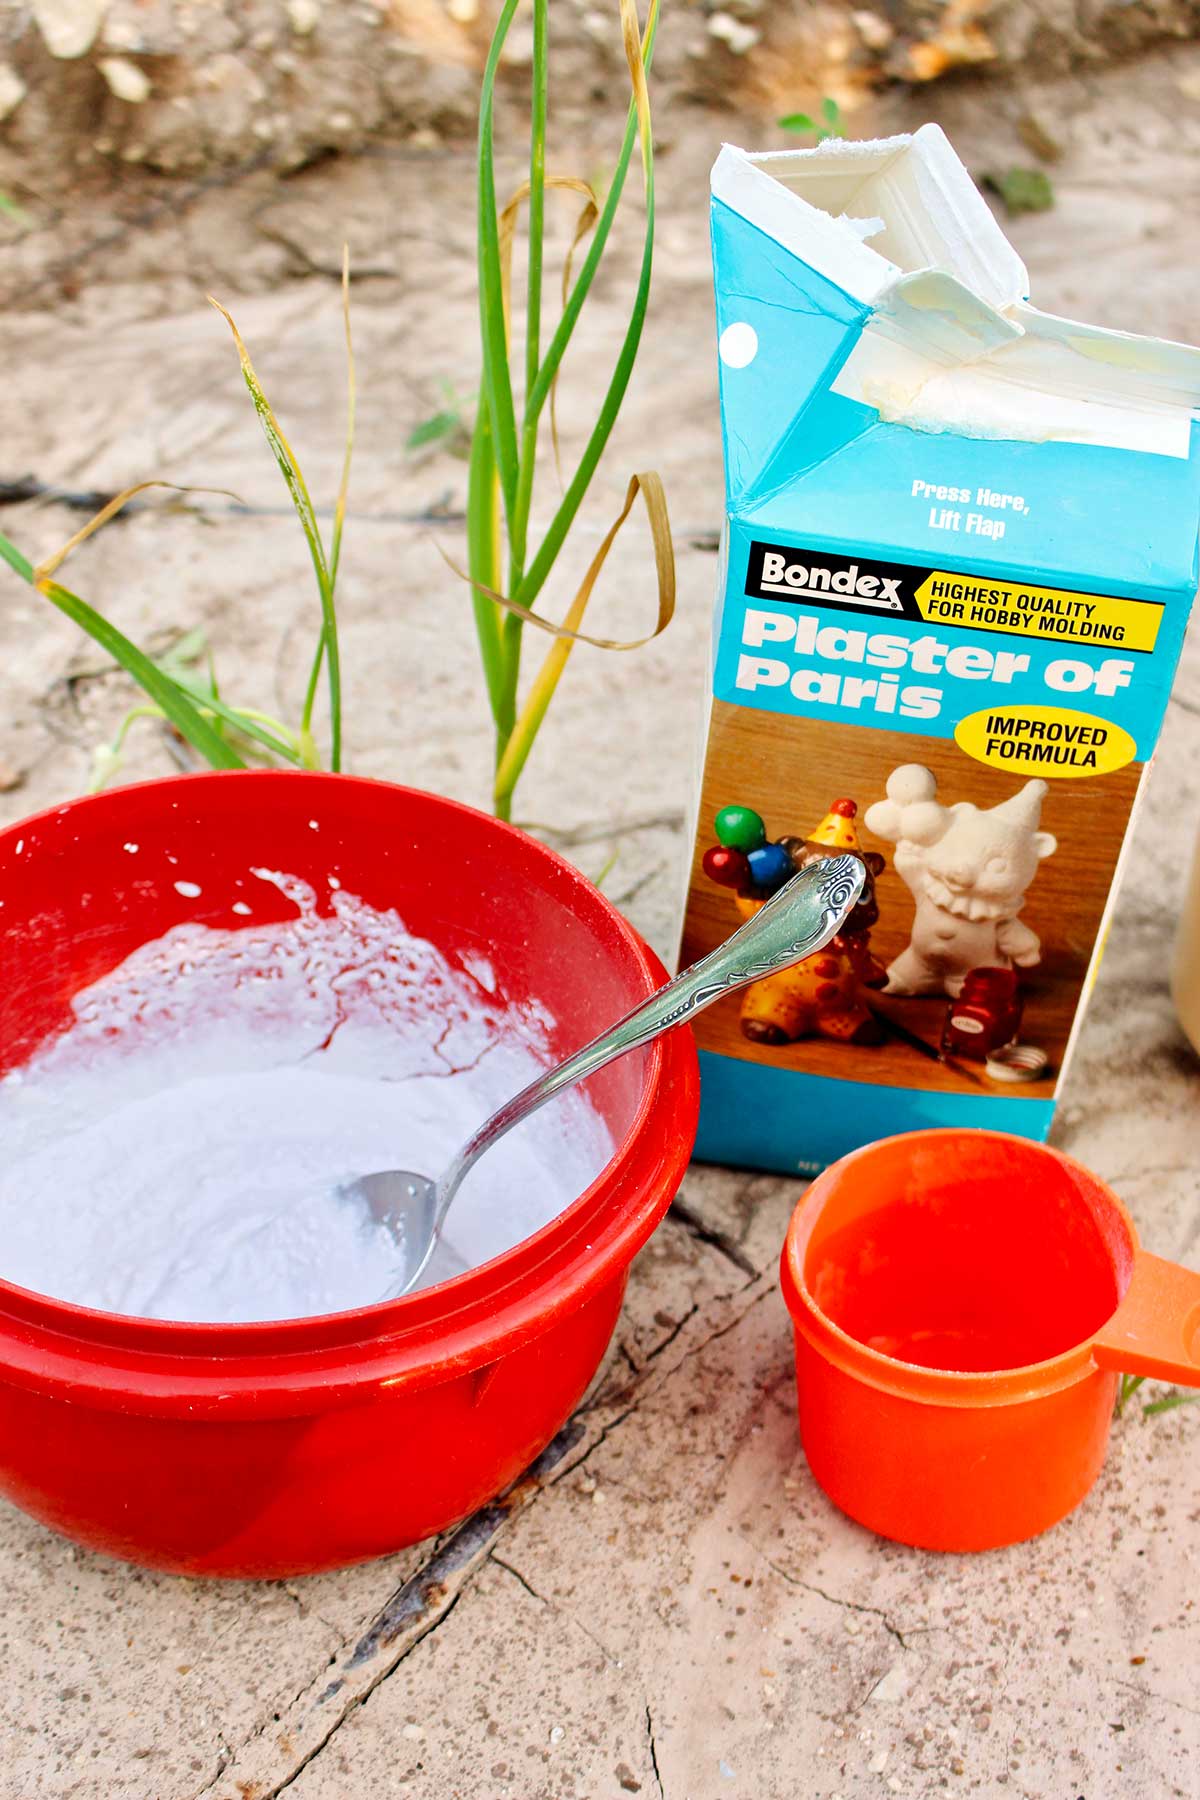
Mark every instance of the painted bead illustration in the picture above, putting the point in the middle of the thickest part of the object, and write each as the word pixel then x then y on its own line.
pixel 740 828
pixel 727 867
pixel 969 869
pixel 821 996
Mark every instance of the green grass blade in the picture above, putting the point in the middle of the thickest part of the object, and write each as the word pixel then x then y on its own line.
pixel 249 724
pixel 537 193
pixel 1168 1404
pixel 335 557
pixel 483 567
pixel 543 562
pixel 177 706
pixel 106 758
pixel 1129 1385
pixel 12 556
pixel 434 430
pixel 527 457
pixel 297 488
pixel 557 347
pixel 496 376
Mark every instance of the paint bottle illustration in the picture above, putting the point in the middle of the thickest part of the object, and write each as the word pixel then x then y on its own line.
pixel 985 1016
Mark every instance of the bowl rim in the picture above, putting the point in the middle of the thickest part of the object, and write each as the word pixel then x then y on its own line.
pixel 131 1363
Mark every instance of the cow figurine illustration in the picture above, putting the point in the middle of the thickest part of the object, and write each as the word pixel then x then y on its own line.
pixel 969 869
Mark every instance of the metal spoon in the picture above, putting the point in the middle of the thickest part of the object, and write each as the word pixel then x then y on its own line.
pixel 794 923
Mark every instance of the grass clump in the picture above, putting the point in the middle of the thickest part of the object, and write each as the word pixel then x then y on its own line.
pixel 181 689
pixel 507 572
pixel 509 563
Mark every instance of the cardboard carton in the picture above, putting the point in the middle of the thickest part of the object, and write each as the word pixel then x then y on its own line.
pixel 960 549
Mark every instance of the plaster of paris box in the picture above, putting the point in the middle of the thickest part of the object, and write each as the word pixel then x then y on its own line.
pixel 958 559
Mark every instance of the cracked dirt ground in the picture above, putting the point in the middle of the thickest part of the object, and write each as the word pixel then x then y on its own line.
pixel 666 1606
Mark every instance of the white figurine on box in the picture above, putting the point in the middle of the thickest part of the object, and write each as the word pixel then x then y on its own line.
pixel 969 869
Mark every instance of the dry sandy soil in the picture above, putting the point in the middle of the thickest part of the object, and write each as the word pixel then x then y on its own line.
pixel 670 1607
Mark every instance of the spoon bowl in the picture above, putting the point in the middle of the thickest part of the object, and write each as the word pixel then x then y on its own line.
pixel 795 923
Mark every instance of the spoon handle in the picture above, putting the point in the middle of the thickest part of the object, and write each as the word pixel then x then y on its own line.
pixel 794 923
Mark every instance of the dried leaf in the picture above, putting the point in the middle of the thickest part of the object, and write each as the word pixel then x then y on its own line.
pixel 53 563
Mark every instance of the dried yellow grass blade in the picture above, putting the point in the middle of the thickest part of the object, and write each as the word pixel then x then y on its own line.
pixel 589 212
pixel 52 563
pixel 634 56
pixel 507 230
pixel 568 634
pixel 583 224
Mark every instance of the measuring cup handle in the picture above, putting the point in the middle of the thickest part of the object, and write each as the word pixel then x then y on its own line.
pixel 1156 1329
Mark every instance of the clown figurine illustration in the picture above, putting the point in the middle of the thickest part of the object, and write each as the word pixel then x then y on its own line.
pixel 821 996
pixel 969 869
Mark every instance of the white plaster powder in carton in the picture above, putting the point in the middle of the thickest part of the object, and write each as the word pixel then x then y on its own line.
pixel 958 560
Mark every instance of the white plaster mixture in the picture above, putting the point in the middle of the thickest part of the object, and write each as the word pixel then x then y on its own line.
pixel 178 1152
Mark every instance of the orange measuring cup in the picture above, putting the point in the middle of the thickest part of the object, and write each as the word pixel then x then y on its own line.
pixel 963 1304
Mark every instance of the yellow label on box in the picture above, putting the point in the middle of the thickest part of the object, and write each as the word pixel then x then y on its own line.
pixel 1050 741
pixel 1050 614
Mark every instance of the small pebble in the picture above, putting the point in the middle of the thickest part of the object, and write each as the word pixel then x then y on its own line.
pixel 12 92
pixel 557 1734
pixel 736 35
pixel 126 80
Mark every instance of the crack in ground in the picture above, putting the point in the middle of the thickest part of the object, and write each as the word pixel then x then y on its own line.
pixel 414 1595
pixel 653 1747
pixel 858 1606
pixel 22 490
pixel 427 1587
pixel 227 1755
pixel 358 1701
pixel 602 1397
pixel 672 1334
pixel 715 1337
pixel 626 1411
pixel 306 1610
pixel 553 1606
pixel 518 1577
pixel 423 1589
pixel 1147 1693
pixel 686 1215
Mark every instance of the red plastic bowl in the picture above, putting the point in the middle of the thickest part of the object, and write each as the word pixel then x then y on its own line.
pixel 283 1448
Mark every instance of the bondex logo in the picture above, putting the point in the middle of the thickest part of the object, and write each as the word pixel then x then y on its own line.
pixel 797 580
